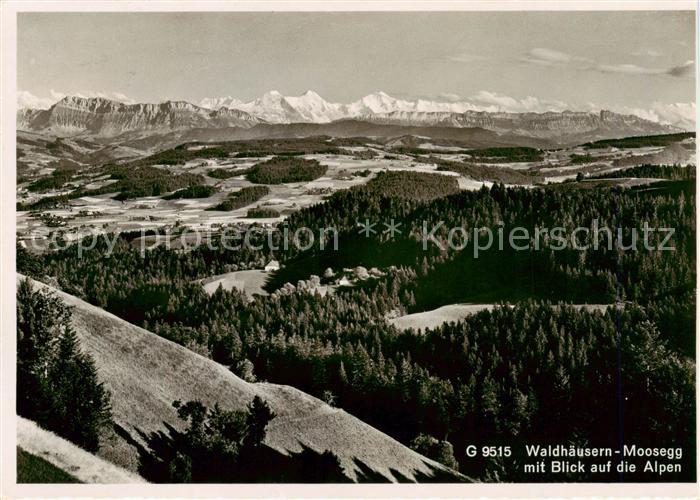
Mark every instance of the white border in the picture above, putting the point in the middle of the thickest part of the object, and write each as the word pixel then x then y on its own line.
pixel 340 5
pixel 8 488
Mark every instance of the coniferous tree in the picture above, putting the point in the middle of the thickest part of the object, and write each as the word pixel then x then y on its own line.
pixel 259 415
pixel 57 385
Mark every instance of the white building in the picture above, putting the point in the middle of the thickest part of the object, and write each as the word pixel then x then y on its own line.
pixel 273 265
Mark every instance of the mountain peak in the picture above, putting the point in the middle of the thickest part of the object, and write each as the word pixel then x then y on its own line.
pixel 104 117
pixel 380 95
pixel 219 102
pixel 381 102
pixel 76 99
pixel 112 116
pixel 91 104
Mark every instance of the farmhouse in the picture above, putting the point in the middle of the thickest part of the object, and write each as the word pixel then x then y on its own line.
pixel 273 265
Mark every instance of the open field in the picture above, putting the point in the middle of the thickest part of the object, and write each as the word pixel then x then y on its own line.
pixel 487 275
pixel 345 168
pixel 325 322
pixel 456 312
pixel 250 282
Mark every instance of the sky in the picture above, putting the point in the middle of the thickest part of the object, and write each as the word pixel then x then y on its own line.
pixel 641 61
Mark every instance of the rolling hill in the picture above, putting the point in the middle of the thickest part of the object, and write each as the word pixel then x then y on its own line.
pixel 146 373
pixel 463 137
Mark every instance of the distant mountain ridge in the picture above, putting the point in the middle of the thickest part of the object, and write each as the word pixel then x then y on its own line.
pixel 380 107
pixel 103 117
pixel 543 125
pixel 107 118
pixel 312 108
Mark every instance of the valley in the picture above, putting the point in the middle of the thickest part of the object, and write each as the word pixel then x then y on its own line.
pixel 81 199
pixel 376 353
pixel 142 393
pixel 303 249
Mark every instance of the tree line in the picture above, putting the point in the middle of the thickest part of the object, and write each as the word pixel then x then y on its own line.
pixel 527 371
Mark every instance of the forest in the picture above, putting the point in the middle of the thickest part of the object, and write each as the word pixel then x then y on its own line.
pixel 131 182
pixel 282 169
pixel 241 198
pixel 640 141
pixel 222 173
pixel 485 155
pixel 411 185
pixel 190 192
pixel 262 213
pixel 52 182
pixel 533 369
pixel 674 173
pixel 480 172
pixel 183 153
pixel 57 385
pixel 501 155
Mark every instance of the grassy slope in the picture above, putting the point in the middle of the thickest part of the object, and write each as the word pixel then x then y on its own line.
pixel 33 469
pixel 145 373
pixel 53 459
pixel 250 281
pixel 456 312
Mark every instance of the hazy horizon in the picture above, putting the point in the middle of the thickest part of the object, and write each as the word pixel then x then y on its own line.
pixel 635 62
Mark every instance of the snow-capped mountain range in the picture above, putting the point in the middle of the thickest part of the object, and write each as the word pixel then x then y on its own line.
pixel 310 107
pixel 104 117
pixel 380 107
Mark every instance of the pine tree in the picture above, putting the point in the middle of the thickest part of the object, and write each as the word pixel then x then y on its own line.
pixel 342 374
pixel 57 385
pixel 80 401
pixel 259 415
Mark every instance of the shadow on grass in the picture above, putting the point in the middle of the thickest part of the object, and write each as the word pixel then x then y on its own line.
pixel 261 464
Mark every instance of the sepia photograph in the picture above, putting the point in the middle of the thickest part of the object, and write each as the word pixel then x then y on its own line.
pixel 293 245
